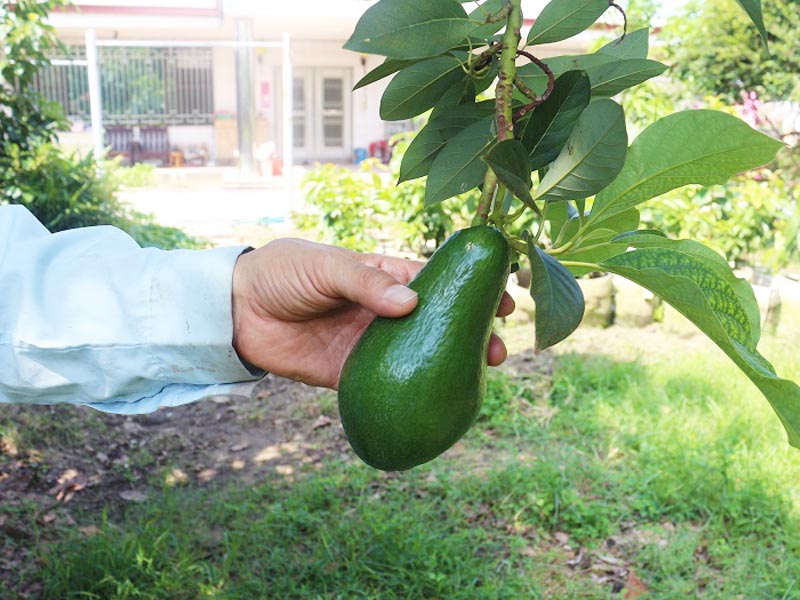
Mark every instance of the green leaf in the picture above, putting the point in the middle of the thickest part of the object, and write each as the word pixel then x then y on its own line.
pixel 462 92
pixel 561 19
pixel 547 129
pixel 699 284
pixel 536 80
pixel 630 234
pixel 389 67
pixel 509 161
pixel 483 11
pixel 635 44
pixel 443 125
pixel 458 168
pixel 592 156
pixel 612 78
pixel 417 88
pixel 558 297
pixel 467 88
pixel 753 10
pixel 607 73
pixel 466 108
pixel 711 260
pixel 559 214
pixel 410 29
pixel 696 146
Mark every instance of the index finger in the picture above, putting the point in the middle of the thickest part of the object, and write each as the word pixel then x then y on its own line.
pixel 402 269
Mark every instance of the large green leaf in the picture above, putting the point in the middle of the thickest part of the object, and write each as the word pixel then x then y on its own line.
pixel 388 67
pixel 558 297
pixel 608 74
pixel 592 156
pixel 509 161
pixel 635 44
pixel 699 284
pixel 411 28
pixel 712 260
pixel 458 168
pixel 442 126
pixel 696 146
pixel 417 88
pixel 753 10
pixel 545 131
pixel 561 19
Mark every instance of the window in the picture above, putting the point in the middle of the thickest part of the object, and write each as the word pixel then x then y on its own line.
pixel 139 86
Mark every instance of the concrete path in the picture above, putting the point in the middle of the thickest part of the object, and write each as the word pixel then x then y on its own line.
pixel 216 205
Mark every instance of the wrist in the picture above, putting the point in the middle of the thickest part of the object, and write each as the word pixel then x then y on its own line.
pixel 239 302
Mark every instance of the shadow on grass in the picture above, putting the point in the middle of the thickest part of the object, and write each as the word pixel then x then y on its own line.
pixel 663 471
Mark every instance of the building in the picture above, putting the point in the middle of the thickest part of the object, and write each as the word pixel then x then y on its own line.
pixel 175 87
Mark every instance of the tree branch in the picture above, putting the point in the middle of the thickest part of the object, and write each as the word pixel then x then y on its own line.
pixel 536 100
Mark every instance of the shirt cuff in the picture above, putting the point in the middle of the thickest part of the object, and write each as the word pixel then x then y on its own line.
pixel 190 325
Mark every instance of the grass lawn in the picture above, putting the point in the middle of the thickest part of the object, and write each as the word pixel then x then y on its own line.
pixel 632 464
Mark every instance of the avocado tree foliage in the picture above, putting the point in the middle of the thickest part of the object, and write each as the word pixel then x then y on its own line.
pixel 552 146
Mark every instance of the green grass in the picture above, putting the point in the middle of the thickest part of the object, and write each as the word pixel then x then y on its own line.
pixel 681 463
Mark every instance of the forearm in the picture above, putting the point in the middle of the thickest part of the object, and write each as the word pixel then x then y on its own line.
pixel 89 317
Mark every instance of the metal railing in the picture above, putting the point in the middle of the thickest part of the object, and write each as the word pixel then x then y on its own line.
pixel 140 86
pixel 64 81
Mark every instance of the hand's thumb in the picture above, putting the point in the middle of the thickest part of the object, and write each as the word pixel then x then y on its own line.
pixel 375 290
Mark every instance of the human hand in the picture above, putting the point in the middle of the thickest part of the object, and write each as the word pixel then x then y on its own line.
pixel 300 307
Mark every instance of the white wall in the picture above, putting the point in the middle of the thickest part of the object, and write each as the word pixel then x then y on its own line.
pixel 224 80
pixel 184 136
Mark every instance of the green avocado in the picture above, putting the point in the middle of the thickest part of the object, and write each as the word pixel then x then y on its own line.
pixel 413 386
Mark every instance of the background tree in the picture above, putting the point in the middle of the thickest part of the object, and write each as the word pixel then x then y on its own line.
pixel 737 69
pixel 63 190
pixel 714 49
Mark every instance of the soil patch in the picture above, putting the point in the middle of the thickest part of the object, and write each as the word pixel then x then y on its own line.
pixel 57 461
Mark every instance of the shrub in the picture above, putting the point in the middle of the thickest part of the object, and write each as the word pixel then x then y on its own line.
pixel 746 219
pixel 359 209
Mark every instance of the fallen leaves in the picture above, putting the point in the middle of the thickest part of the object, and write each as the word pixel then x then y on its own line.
pixel 133 496
pixel 634 586
pixel 69 483
pixel 322 421
pixel 604 568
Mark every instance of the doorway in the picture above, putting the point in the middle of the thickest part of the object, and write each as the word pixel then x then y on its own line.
pixel 321 114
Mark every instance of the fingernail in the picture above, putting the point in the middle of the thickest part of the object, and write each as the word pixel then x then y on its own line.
pixel 399 295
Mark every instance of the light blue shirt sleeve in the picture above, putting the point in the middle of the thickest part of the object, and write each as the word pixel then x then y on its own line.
pixel 89 317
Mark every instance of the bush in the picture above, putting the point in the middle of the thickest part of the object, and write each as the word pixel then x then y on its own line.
pixel 349 207
pixel 65 191
pixel 747 220
pixel 138 175
pixel 358 209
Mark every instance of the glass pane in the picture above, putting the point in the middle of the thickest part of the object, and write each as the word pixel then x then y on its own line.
pixel 332 94
pixel 333 132
pixel 299 133
pixel 299 94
